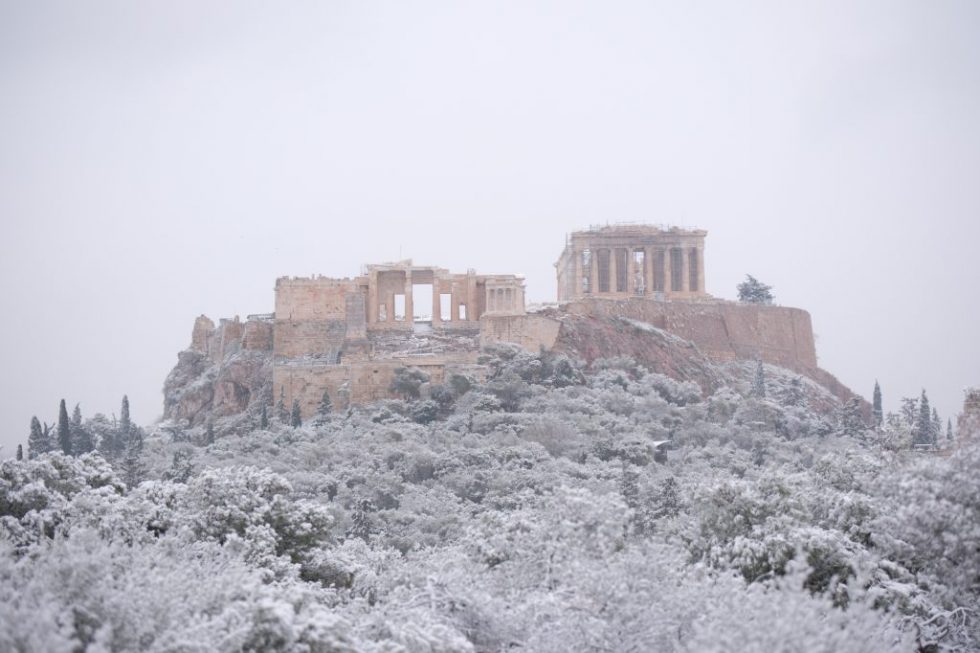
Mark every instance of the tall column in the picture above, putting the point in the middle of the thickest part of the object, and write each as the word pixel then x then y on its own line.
pixel 649 261
pixel 372 311
pixel 685 269
pixel 613 270
pixel 576 270
pixel 668 282
pixel 701 269
pixel 436 302
pixel 630 280
pixel 594 283
pixel 409 308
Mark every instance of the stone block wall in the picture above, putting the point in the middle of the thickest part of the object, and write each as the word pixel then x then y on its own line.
pixel 723 330
pixel 532 332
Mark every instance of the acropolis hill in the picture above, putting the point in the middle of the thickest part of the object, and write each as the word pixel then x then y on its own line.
pixel 623 290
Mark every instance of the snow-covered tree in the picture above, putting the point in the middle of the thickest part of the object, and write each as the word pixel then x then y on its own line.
pixel 20 452
pixel 754 291
pixel 759 381
pixel 923 422
pixel 64 429
pixel 281 413
pixel 876 411
pixel 38 441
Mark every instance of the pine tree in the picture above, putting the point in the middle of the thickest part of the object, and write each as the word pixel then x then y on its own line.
pixel 326 406
pixel 81 440
pixel 759 383
pixel 795 394
pixel 209 433
pixel 923 425
pixel 295 419
pixel 264 418
pixel 850 420
pixel 64 429
pixel 38 441
pixel 876 411
pixel 281 413
pixel 20 452
pixel 910 408
pixel 936 428
pixel 754 291
pixel 949 430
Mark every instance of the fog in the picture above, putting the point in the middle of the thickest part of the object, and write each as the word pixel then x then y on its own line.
pixel 163 160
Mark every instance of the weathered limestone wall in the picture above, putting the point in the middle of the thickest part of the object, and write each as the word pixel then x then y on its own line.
pixel 315 316
pixel 723 330
pixel 360 382
pixel 532 332
pixel 258 335
pixel 201 334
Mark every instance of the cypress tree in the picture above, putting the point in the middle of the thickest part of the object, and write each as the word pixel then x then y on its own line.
pixel 38 441
pixel 876 411
pixel 209 433
pixel 936 429
pixel 295 419
pixel 923 425
pixel 264 419
pixel 325 405
pixel 949 430
pixel 759 383
pixel 64 429
pixel 20 452
pixel 281 413
pixel 81 440
pixel 125 425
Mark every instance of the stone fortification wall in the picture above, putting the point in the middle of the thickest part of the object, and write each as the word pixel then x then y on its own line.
pixel 723 330
pixel 532 332
pixel 360 382
pixel 258 334
pixel 315 316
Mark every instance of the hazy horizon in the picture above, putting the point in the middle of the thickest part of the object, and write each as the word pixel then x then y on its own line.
pixel 160 162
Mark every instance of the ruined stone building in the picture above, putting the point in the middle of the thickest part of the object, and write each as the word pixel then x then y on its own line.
pixel 348 336
pixel 621 261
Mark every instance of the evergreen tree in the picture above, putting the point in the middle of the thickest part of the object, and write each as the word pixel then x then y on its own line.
pixel 936 429
pixel 209 433
pixel 295 419
pixel 132 467
pixel 922 434
pixel 795 394
pixel 876 412
pixel 81 440
pixel 281 413
pixel 38 441
pixel 949 430
pixel 325 407
pixel 850 420
pixel 910 409
pixel 124 423
pixel 64 429
pixel 20 452
pixel 754 291
pixel 264 418
pixel 759 383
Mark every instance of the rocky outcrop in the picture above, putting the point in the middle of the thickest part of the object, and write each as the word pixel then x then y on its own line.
pixel 968 423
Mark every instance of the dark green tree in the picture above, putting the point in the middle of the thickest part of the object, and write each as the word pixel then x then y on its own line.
pixel 936 428
pixel 20 452
pixel 795 394
pixel 949 430
pixel 759 382
pixel 281 414
pixel 850 419
pixel 264 419
pixel 209 433
pixel 81 439
pixel 125 425
pixel 922 434
pixel 876 413
pixel 64 429
pixel 326 406
pixel 38 441
pixel 754 291
pixel 295 419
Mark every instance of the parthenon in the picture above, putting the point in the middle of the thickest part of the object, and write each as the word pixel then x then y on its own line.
pixel 621 261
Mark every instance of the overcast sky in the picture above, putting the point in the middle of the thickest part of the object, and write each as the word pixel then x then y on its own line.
pixel 162 160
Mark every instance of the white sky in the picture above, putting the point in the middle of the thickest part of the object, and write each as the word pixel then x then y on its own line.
pixel 160 160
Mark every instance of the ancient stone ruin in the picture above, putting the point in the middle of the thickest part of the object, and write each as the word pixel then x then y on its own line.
pixel 349 336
